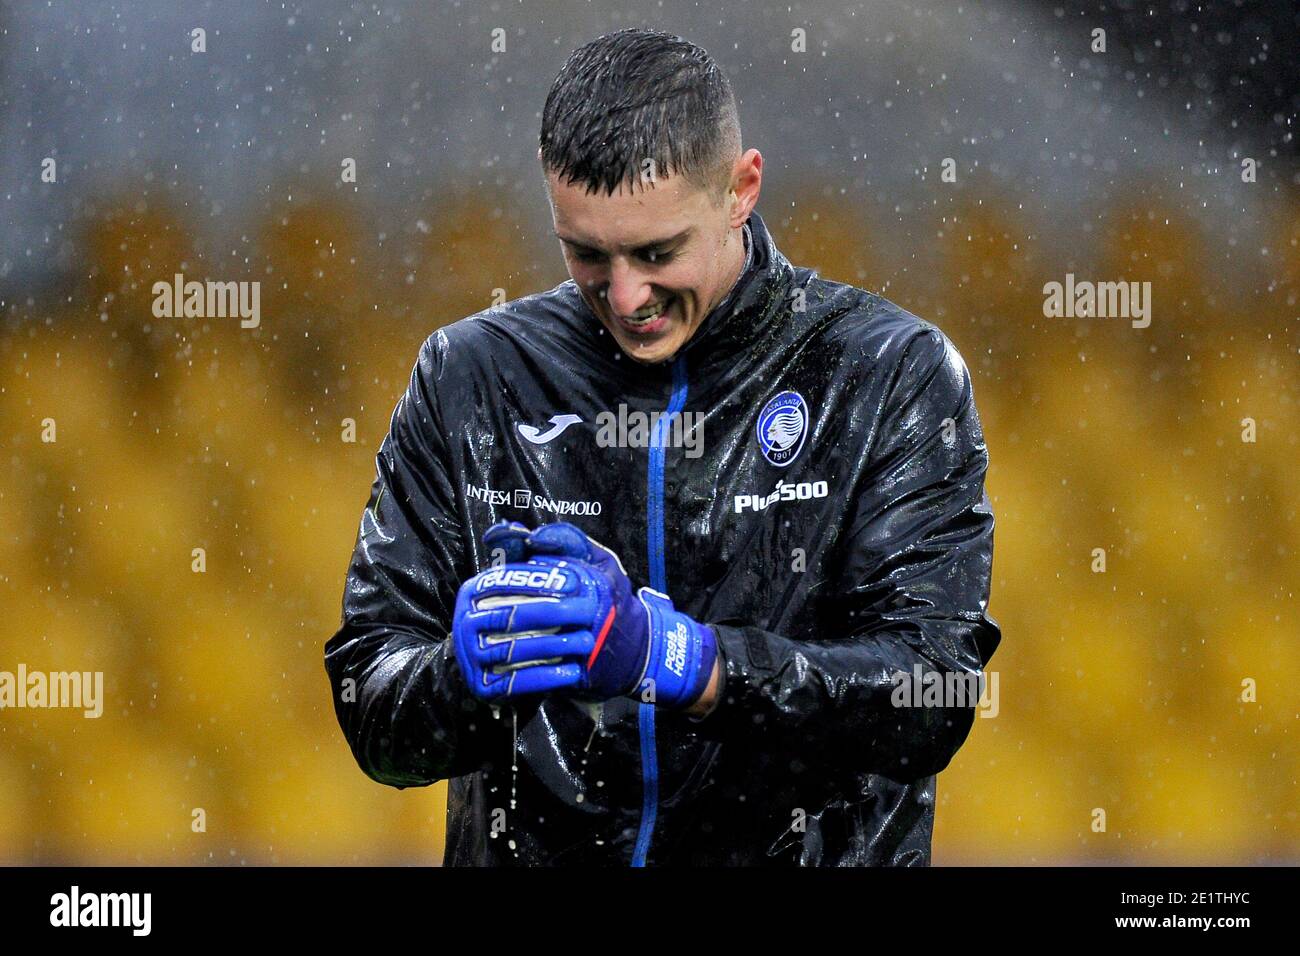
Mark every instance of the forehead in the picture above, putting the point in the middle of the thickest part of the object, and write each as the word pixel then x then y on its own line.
pixel 629 218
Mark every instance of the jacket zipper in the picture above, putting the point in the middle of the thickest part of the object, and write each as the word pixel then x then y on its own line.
pixel 658 581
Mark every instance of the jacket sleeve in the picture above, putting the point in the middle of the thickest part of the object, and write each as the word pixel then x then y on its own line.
pixel 398 692
pixel 917 553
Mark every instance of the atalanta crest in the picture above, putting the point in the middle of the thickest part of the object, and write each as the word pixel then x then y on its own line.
pixel 782 427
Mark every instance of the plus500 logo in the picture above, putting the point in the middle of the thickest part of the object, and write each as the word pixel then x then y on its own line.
pixel 785 491
pixel 552 580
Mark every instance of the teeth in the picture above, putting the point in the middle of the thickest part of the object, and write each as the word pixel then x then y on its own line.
pixel 646 314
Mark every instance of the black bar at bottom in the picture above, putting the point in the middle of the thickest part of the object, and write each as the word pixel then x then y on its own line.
pixel 632 908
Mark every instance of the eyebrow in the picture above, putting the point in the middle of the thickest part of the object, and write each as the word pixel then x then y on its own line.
pixel 645 245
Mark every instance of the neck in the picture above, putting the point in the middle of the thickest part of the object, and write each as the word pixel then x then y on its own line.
pixel 738 258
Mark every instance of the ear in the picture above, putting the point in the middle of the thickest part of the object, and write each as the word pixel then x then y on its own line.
pixel 747 182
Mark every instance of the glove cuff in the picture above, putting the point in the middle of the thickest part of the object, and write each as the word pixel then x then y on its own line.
pixel 682 652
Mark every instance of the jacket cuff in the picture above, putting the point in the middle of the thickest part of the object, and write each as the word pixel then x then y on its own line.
pixel 745 666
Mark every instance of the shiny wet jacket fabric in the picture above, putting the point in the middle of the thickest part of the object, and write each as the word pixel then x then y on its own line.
pixel 846 544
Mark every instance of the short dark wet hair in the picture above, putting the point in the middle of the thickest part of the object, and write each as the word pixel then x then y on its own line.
pixel 639 95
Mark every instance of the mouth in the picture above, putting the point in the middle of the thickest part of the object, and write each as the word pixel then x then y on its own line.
pixel 647 321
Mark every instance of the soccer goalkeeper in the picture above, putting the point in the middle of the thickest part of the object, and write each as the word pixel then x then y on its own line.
pixel 682 645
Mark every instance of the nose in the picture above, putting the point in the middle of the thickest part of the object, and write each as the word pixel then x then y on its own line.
pixel 627 289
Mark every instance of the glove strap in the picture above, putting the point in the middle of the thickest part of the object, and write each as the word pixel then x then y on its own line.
pixel 682 652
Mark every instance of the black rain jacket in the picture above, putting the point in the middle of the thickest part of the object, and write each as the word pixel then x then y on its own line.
pixel 826 573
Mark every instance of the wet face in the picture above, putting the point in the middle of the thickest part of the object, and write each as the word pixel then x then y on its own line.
pixel 652 262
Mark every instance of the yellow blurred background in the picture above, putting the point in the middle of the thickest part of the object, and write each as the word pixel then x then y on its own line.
pixel 1119 690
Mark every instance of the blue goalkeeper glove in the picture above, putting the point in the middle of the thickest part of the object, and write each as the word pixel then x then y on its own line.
pixel 561 615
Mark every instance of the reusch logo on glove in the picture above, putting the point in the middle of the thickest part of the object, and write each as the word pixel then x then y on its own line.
pixel 547 579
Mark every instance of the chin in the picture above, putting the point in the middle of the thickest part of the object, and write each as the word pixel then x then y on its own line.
pixel 646 359
pixel 650 354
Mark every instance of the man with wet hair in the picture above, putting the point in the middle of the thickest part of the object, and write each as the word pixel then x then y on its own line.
pixel 622 653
